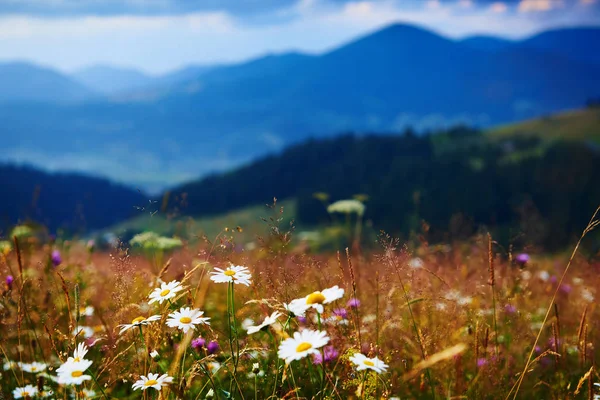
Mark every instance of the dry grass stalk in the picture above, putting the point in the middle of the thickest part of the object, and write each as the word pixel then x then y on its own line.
pixel 590 226
pixel 434 359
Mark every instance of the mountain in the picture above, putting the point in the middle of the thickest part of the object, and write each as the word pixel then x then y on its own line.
pixel 581 44
pixel 487 43
pixel 73 202
pixel 226 116
pixel 123 84
pixel 109 80
pixel 22 82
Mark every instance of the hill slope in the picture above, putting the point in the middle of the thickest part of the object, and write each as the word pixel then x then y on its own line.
pixel 63 201
pixel 571 125
pixel 23 82
pixel 110 80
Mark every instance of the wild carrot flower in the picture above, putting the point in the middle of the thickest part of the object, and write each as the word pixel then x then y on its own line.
pixel 166 291
pixel 186 318
pixel 152 381
pixel 363 362
pixel 25 392
pixel 235 273
pixel 34 367
pixel 270 320
pixel 139 321
pixel 302 344
pixel 315 300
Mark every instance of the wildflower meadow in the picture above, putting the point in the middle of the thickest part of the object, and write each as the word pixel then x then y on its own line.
pixel 166 318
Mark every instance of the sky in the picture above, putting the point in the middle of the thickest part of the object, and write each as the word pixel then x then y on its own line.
pixel 158 36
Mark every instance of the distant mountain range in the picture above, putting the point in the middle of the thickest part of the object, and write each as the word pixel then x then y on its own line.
pixel 160 131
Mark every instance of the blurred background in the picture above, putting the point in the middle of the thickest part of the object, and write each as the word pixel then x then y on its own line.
pixel 441 118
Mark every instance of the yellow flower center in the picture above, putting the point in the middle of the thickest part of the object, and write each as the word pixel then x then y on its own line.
pixel 165 292
pixel 25 394
pixel 369 363
pixel 303 347
pixel 229 272
pixel 151 382
pixel 34 369
pixel 315 298
pixel 136 320
pixel 185 320
pixel 77 359
pixel 76 374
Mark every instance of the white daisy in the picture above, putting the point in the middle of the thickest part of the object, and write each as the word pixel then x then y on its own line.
pixel 28 391
pixel 235 273
pixel 166 291
pixel 83 332
pixel 8 365
pixel 186 318
pixel 139 321
pixel 152 381
pixel 303 343
pixel 34 367
pixel 79 353
pixel 86 311
pixel 315 300
pixel 363 362
pixel 270 320
pixel 72 372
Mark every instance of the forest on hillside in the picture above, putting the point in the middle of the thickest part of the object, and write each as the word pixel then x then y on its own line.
pixel 453 182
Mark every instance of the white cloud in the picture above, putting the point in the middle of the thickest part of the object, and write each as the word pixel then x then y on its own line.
pixel 539 5
pixel 498 7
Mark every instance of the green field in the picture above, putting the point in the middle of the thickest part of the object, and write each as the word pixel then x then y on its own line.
pixel 574 125
pixel 248 219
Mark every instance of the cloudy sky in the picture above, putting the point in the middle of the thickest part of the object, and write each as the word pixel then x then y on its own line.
pixel 157 36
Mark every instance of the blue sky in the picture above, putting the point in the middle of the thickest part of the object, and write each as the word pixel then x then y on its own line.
pixel 157 36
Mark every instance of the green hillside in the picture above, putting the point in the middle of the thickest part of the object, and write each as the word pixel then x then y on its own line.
pixel 248 218
pixel 576 125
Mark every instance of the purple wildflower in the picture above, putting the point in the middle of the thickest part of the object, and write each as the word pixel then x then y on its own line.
pixel 55 258
pixel 341 313
pixel 353 303
pixel 301 319
pixel 510 309
pixel 481 362
pixel 198 343
pixel 330 354
pixel 522 258
pixel 566 288
pixel 212 347
pixel 9 281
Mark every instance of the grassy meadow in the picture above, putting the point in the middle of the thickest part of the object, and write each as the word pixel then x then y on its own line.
pixel 161 318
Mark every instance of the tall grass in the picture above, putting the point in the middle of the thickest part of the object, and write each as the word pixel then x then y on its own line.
pixel 425 312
